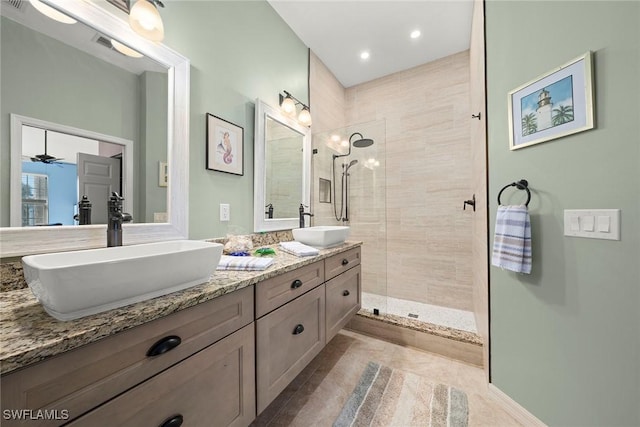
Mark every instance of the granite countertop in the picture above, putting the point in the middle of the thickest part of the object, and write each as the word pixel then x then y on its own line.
pixel 28 334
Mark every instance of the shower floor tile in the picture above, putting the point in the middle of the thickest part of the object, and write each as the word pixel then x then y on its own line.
pixel 444 316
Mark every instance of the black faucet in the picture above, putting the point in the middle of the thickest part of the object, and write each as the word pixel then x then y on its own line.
pixel 302 214
pixel 115 219
pixel 84 211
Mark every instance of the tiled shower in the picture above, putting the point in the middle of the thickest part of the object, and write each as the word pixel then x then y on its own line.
pixel 407 190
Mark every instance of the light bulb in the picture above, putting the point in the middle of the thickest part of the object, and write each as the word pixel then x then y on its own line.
pixel 305 117
pixel 125 50
pixel 52 13
pixel 288 105
pixel 145 20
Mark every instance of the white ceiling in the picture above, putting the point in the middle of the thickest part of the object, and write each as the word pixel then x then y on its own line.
pixel 338 30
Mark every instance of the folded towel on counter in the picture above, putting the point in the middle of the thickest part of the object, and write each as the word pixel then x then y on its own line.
pixel 299 249
pixel 512 239
pixel 243 263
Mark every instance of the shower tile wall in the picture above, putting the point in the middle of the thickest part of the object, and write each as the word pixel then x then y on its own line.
pixel 422 250
pixel 428 235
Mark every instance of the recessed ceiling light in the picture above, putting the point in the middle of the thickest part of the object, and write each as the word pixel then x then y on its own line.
pixel 364 55
pixel 335 138
pixel 415 34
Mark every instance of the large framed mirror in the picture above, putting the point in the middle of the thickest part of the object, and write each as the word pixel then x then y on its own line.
pixel 160 84
pixel 282 172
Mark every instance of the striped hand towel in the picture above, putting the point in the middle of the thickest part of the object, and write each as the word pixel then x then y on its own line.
pixel 243 263
pixel 299 249
pixel 512 239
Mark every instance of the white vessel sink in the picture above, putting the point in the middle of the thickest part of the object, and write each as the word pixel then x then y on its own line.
pixel 76 284
pixel 321 236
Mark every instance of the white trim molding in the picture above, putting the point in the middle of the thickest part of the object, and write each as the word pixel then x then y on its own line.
pixel 513 408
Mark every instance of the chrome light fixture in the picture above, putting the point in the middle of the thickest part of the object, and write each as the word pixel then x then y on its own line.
pixel 145 19
pixel 52 13
pixel 288 103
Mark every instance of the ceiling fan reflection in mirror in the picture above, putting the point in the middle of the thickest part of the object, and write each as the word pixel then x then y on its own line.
pixel 45 158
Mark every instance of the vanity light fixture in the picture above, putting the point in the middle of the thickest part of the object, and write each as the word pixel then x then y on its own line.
pixel 52 13
pixel 145 19
pixel 125 50
pixel 288 104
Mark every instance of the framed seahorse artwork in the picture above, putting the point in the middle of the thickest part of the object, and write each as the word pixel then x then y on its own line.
pixel 225 146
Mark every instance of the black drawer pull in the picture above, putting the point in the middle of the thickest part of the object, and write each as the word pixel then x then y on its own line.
pixel 345 293
pixel 175 421
pixel 345 261
pixel 296 284
pixel 164 345
pixel 298 330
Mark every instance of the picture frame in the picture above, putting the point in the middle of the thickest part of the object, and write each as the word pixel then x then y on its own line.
pixel 225 146
pixel 555 104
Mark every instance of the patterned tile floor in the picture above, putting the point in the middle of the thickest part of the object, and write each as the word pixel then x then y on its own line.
pixel 316 396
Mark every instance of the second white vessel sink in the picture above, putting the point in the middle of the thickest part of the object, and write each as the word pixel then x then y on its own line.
pixel 70 285
pixel 322 236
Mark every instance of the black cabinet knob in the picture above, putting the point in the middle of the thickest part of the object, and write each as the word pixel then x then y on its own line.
pixel 174 421
pixel 345 261
pixel 345 293
pixel 164 345
pixel 296 284
pixel 298 330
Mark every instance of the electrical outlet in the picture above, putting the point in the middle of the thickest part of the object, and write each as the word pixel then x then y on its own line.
pixel 225 212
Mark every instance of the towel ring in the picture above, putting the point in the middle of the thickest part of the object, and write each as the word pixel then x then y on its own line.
pixel 523 184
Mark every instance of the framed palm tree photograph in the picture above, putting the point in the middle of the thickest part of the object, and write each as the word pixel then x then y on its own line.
pixel 556 104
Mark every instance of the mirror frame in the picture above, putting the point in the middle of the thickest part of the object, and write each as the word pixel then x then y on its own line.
pixel 21 241
pixel 264 111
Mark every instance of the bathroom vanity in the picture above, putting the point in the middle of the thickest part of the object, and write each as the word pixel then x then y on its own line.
pixel 216 354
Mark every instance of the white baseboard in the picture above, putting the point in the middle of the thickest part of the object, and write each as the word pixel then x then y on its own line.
pixel 514 409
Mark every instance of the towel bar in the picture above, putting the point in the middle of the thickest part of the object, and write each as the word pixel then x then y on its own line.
pixel 523 184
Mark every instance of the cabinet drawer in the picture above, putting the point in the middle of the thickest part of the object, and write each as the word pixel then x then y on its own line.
pixel 81 379
pixel 274 292
pixel 343 300
pixel 214 387
pixel 286 341
pixel 340 263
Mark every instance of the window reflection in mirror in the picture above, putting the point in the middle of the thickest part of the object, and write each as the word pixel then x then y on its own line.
pixel 283 161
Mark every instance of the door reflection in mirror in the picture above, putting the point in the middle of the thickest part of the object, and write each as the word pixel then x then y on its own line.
pixel 58 169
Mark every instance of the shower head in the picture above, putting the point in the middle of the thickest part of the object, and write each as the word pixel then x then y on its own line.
pixel 362 142
pixel 348 166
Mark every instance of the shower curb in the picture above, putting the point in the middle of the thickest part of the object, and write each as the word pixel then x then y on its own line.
pixel 452 343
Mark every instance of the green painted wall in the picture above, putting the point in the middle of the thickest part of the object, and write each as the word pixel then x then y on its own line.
pixel 153 144
pixel 48 80
pixel 239 51
pixel 565 340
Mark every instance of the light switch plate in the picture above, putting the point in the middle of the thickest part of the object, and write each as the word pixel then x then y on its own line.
pixel 592 223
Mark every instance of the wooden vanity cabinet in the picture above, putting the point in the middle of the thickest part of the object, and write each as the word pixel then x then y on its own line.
pixel 79 380
pixel 293 327
pixel 214 388
pixel 343 300
pixel 287 339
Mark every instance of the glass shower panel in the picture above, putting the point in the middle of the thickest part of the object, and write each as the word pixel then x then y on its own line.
pixel 352 169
